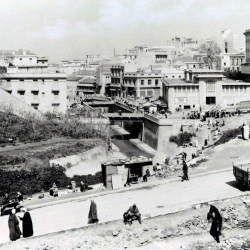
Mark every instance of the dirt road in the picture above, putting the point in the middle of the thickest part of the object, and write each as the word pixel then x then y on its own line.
pixel 154 201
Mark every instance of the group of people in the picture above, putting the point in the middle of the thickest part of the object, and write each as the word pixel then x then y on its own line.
pixel 54 191
pixel 13 222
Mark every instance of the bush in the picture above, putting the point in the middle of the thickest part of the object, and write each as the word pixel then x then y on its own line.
pixel 228 135
pixel 181 138
pixel 35 179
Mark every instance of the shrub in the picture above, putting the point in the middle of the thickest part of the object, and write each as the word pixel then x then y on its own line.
pixel 181 138
pixel 35 179
pixel 228 135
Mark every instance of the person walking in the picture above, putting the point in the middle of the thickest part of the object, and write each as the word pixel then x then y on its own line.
pixel 93 218
pixel 13 223
pixel 185 171
pixel 27 223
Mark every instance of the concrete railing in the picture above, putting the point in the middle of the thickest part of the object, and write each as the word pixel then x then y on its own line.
pixel 124 106
pixel 159 121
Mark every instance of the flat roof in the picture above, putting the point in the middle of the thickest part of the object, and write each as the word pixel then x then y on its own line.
pixel 178 82
pixel 210 76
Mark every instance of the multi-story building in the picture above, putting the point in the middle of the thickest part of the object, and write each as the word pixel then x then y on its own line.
pixel 203 88
pixel 116 83
pixel 85 87
pixel 245 68
pixel 45 92
pixel 24 61
pixel 232 61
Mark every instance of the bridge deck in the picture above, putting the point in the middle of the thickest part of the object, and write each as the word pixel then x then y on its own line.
pixel 124 115
pixel 119 130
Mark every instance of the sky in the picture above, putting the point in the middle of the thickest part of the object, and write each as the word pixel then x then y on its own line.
pixel 71 29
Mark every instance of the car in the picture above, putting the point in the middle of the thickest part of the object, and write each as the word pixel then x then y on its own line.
pixel 9 203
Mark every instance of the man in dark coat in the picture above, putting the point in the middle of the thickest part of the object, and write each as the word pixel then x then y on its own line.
pixel 27 223
pixel 13 222
pixel 93 218
pixel 185 171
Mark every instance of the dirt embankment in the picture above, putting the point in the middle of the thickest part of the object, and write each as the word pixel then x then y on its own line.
pixel 187 229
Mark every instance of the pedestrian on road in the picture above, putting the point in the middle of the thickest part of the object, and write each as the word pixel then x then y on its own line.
pixel 92 218
pixel 184 156
pixel 13 222
pixel 145 178
pixel 27 223
pixel 185 171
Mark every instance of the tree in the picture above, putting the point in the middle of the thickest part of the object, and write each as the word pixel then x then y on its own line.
pixel 212 51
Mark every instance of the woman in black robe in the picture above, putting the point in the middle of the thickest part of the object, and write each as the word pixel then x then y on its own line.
pixel 13 222
pixel 93 218
pixel 27 223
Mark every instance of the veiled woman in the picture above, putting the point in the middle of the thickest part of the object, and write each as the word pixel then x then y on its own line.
pixel 13 222
pixel 27 223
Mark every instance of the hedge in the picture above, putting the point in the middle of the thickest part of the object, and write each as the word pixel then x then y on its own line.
pixel 34 180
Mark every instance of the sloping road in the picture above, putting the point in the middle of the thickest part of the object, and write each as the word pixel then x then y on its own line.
pixel 162 199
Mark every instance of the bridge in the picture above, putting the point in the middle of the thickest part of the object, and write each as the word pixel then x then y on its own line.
pixel 125 116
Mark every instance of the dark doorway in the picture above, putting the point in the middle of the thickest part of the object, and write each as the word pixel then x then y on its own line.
pixel 210 100
pixel 186 106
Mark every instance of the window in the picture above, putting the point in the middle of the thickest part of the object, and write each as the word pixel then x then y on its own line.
pixel 21 80
pixel 34 92
pixel 172 76
pixel 34 105
pixel 241 88
pixel 35 80
pixel 55 92
pixel 30 58
pixel 142 82
pixel 232 61
pixel 55 80
pixel 150 93
pixel 193 106
pixel 149 82
pixel 210 86
pixel 180 77
pixel 156 82
pixel 21 92
pixel 55 104
pixel 236 88
pixel 20 59
pixel 225 64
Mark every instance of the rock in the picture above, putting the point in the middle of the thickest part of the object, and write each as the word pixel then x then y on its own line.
pixel 155 227
pixel 129 234
pixel 145 229
pixel 125 245
pixel 137 235
pixel 115 233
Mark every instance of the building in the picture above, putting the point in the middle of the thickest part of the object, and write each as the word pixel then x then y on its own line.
pixel 245 67
pixel 232 61
pixel 45 92
pixel 85 87
pixel 203 88
pixel 24 61
pixel 230 42
pixel 116 83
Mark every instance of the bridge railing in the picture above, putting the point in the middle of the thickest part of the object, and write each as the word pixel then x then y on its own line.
pixel 124 106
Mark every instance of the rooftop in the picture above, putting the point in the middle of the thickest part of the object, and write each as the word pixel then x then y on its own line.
pixel 16 52
pixel 177 82
pixel 210 76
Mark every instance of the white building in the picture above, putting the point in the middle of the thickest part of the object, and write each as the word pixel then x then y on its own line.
pixel 24 61
pixel 45 92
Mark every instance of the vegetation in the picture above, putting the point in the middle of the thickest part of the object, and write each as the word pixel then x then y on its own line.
pixel 30 129
pixel 182 138
pixel 212 51
pixel 228 135
pixel 33 180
